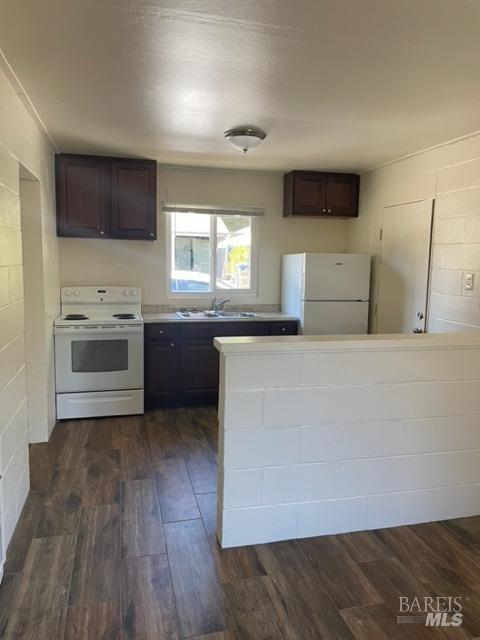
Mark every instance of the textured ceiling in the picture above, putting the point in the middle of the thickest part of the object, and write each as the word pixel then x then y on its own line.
pixel 336 84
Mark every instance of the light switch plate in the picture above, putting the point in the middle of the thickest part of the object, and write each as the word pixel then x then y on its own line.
pixel 468 279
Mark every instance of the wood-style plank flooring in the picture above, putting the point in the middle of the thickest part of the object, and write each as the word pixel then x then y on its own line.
pixel 117 542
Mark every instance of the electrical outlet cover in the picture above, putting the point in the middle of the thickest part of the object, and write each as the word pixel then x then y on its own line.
pixel 468 281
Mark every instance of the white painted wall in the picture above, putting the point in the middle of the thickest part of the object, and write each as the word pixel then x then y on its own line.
pixel 21 142
pixel 322 436
pixel 451 175
pixel 144 263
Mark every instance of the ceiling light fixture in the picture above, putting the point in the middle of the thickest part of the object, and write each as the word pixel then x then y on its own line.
pixel 245 138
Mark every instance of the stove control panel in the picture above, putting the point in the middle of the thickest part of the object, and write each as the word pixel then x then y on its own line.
pixel 99 295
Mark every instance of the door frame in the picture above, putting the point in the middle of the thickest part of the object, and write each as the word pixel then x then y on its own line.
pixel 430 269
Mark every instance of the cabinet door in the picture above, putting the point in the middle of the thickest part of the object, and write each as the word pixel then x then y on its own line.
pixel 199 366
pixel 309 194
pixel 161 379
pixel 342 194
pixel 134 206
pixel 199 359
pixel 82 184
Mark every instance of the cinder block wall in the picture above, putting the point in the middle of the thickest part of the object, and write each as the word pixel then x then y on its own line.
pixel 13 396
pixel 346 438
pixel 450 174
pixel 22 143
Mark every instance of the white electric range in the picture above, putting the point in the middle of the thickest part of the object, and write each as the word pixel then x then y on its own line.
pixel 99 352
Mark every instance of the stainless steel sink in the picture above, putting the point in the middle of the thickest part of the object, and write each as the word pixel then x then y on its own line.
pixel 196 315
pixel 190 314
pixel 237 314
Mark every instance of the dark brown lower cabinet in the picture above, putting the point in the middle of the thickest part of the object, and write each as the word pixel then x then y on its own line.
pixel 287 328
pixel 161 372
pixel 182 364
pixel 199 369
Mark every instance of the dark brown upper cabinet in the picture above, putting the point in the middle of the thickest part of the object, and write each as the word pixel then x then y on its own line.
pixel 102 197
pixel 134 202
pixel 83 195
pixel 342 194
pixel 319 194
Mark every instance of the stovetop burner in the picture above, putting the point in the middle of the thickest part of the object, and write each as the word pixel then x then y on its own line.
pixel 75 316
pixel 124 316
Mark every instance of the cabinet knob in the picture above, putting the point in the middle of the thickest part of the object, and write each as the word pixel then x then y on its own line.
pixel 161 331
pixel 151 235
pixel 329 211
pixel 324 211
pixel 102 233
pixel 283 329
pixel 172 344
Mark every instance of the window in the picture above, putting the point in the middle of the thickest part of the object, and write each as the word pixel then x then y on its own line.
pixel 211 252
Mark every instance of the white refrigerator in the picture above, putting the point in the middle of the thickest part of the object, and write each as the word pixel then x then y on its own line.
pixel 328 292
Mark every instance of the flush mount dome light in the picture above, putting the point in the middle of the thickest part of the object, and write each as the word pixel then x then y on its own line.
pixel 245 138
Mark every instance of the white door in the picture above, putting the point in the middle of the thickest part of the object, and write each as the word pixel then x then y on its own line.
pixel 337 276
pixel 334 318
pixel 404 268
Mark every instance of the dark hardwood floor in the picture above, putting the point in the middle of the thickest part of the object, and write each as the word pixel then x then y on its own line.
pixel 117 541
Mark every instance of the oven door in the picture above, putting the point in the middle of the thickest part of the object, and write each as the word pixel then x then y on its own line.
pixel 92 359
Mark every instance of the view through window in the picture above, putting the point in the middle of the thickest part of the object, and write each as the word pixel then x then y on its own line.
pixel 210 252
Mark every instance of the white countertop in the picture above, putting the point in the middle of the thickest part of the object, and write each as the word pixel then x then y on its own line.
pixel 282 344
pixel 269 316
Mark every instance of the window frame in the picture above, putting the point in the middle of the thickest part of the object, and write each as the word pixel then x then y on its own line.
pixel 252 291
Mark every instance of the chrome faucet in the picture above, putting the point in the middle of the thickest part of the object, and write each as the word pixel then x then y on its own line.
pixel 218 306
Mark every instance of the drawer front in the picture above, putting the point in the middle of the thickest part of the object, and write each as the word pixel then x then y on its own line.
pixel 165 330
pixel 196 330
pixel 218 329
pixel 287 328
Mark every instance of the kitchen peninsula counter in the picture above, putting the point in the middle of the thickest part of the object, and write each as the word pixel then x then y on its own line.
pixel 329 434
